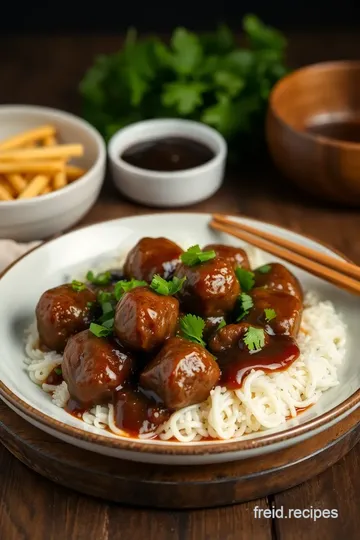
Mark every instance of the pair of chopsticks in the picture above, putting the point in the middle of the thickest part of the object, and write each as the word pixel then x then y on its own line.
pixel 342 274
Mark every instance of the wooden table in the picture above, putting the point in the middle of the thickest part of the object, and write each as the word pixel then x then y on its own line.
pixel 46 70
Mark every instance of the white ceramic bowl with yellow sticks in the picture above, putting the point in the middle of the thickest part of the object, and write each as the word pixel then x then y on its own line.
pixel 52 166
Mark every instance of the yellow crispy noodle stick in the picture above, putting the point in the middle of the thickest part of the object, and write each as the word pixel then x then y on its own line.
pixel 27 137
pixel 35 187
pixel 9 167
pixel 73 172
pixel 17 182
pixel 6 191
pixel 46 190
pixel 45 152
pixel 50 141
pixel 59 180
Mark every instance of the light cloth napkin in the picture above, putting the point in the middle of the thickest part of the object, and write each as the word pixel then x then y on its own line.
pixel 10 251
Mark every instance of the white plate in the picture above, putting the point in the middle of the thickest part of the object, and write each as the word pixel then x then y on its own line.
pixel 48 266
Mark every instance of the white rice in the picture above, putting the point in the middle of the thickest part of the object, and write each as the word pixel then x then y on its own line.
pixel 265 401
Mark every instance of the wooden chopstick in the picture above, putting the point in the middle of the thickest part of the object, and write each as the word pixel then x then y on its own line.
pixel 344 267
pixel 319 270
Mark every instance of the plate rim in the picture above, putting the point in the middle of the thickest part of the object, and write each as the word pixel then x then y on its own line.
pixel 193 449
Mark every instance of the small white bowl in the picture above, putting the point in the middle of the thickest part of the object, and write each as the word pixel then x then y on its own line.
pixel 41 217
pixel 174 188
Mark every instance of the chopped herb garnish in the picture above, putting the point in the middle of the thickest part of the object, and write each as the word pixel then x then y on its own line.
pixel 194 255
pixel 167 288
pixel 245 278
pixel 104 297
pixel 254 338
pixel 123 286
pixel 245 304
pixel 100 330
pixel 192 328
pixel 221 325
pixel 58 370
pixel 270 314
pixel 265 269
pixel 104 278
pixel 90 304
pixel 78 285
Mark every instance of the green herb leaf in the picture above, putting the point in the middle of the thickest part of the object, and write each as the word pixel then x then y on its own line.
pixel 77 285
pixel 104 297
pixel 192 328
pixel 90 304
pixel 123 286
pixel 265 269
pixel 99 330
pixel 185 97
pixel 103 278
pixel 270 314
pixel 245 278
pixel 58 370
pixel 221 325
pixel 167 288
pixel 254 338
pixel 245 304
pixel 194 256
pixel 187 51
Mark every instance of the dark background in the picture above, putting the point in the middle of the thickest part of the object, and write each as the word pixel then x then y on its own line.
pixel 102 16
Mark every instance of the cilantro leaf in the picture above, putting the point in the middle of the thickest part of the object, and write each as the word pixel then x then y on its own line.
pixel 245 278
pixel 77 286
pixel 192 328
pixel 58 370
pixel 103 278
pixel 187 51
pixel 167 288
pixel 245 304
pixel 185 97
pixel 265 269
pixel 270 314
pixel 254 338
pixel 194 255
pixel 123 286
pixel 229 81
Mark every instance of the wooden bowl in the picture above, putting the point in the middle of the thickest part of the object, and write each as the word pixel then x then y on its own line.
pixel 313 112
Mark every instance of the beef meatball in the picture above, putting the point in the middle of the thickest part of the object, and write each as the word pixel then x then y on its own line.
pixel 276 276
pixel 182 374
pixel 152 256
pixel 211 326
pixel 287 311
pixel 145 319
pixel 62 312
pixel 234 255
pixel 94 367
pixel 211 288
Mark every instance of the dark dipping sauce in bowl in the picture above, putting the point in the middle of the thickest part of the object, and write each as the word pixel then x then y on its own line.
pixel 168 154
pixel 340 129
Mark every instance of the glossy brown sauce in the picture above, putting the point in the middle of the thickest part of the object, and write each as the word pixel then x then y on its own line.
pixel 55 378
pixel 342 130
pixel 170 154
pixel 236 363
pixel 75 408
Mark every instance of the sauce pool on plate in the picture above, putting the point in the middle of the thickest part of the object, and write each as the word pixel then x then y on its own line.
pixel 168 154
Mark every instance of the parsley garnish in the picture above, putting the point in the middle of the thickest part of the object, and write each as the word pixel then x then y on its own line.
pixel 254 338
pixel 192 328
pixel 265 269
pixel 58 370
pixel 100 330
pixel 103 278
pixel 245 278
pixel 221 325
pixel 194 256
pixel 78 285
pixel 167 288
pixel 104 297
pixel 123 286
pixel 270 314
pixel 245 304
pixel 205 77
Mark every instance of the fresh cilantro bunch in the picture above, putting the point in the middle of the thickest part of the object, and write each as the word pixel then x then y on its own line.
pixel 204 77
